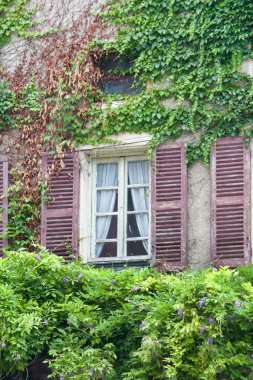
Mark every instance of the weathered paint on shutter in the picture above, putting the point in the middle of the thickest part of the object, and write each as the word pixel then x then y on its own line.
pixel 169 188
pixel 59 220
pixel 230 202
pixel 3 202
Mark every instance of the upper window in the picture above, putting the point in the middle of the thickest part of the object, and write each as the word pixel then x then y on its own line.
pixel 116 75
pixel 120 208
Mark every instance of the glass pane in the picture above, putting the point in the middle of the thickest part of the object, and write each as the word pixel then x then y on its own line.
pixel 137 248
pixel 106 227
pixel 138 173
pixel 138 199
pixel 107 201
pixel 107 175
pixel 137 225
pixel 106 249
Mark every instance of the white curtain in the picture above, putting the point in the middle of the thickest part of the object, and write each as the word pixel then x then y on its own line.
pixel 107 175
pixel 138 173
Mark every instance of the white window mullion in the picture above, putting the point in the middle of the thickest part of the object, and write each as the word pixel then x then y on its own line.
pixel 125 204
pixel 121 248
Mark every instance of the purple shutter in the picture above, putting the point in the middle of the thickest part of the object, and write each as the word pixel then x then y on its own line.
pixel 169 188
pixel 3 202
pixel 59 219
pixel 230 202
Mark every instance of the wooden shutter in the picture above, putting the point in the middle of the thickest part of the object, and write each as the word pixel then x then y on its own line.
pixel 230 202
pixel 169 188
pixel 59 219
pixel 3 202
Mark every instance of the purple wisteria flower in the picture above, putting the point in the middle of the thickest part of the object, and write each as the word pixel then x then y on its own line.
pixel 180 312
pixel 202 329
pixel 79 277
pixel 3 345
pixel 37 257
pixel 238 304
pixel 142 325
pixel 91 370
pixel 202 302
pixel 65 279
pixel 210 340
pixel 211 320
pixel 62 378
pixel 135 288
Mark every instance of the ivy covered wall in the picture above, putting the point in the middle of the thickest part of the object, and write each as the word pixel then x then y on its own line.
pixel 187 53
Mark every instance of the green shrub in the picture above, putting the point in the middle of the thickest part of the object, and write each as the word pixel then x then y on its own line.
pixel 129 325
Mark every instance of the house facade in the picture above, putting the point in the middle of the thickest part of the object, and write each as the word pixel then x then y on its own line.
pixel 115 204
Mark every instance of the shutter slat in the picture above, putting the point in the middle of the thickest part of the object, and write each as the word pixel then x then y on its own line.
pixel 59 222
pixel 3 202
pixel 169 206
pixel 230 203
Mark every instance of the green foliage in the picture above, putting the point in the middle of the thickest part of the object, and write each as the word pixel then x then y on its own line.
pixel 7 106
pixel 19 107
pixel 14 18
pixel 129 325
pixel 23 216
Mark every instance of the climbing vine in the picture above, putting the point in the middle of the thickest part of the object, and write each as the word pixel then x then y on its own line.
pixel 47 110
pixel 14 18
pixel 187 53
pixel 191 51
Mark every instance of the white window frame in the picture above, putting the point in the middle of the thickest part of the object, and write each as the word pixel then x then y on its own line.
pixel 127 146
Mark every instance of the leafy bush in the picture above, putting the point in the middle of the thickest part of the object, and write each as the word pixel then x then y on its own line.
pixel 130 325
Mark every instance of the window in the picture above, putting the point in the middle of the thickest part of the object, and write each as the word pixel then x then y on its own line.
pixel 120 208
pixel 115 200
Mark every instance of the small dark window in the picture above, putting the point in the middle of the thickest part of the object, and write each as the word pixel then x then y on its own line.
pixel 116 76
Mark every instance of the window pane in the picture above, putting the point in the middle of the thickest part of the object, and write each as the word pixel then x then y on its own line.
pixel 107 175
pixel 106 227
pixel 138 173
pixel 106 249
pixel 137 225
pixel 138 199
pixel 107 201
pixel 137 248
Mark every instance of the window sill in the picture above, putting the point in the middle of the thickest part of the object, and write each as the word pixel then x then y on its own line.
pixel 119 264
pixel 118 259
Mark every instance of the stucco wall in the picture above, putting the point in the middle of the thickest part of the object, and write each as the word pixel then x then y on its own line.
pixel 70 16
pixel 247 67
pixel 198 213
